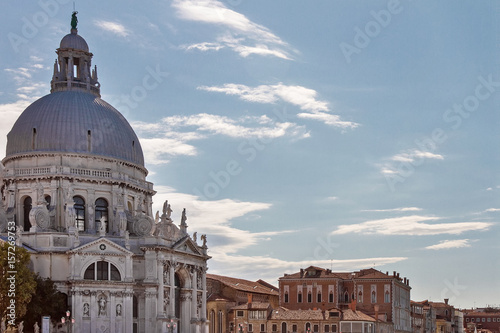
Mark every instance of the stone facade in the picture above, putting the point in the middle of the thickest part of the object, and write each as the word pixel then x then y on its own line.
pixel 74 182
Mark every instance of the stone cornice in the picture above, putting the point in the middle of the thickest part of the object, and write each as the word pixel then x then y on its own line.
pixel 73 155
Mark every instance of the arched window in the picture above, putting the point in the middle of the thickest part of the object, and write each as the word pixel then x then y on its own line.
pixel 308 327
pixel 374 297
pixel 330 297
pixel 219 330
pixel 299 297
pixel 319 297
pixel 101 212
pixel 309 297
pixel 212 321
pixel 387 297
pixel 26 213
pixel 102 271
pixel 346 297
pixel 135 307
pixel 79 207
pixel 286 296
pixel 283 327
pixel 48 200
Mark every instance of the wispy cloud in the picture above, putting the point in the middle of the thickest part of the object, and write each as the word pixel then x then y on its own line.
pixel 214 218
pixel 450 244
pixel 205 46
pixel 492 210
pixel 238 32
pixel 394 164
pixel 113 27
pixel 414 225
pixel 172 135
pixel 401 209
pixel 306 99
pixel 269 268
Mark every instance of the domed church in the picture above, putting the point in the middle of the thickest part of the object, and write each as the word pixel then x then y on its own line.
pixel 74 182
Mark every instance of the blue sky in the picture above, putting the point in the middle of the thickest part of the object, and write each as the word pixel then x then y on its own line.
pixel 342 134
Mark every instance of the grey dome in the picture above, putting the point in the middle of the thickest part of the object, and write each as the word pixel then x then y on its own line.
pixel 74 41
pixel 74 122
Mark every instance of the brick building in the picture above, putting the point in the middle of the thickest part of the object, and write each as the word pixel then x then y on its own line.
pixel 482 321
pixel 417 317
pixel 382 296
pixel 232 301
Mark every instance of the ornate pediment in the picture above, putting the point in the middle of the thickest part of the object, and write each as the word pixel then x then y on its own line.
pixel 187 245
pixel 101 246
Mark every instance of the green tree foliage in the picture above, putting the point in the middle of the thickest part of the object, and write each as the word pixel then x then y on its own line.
pixel 47 301
pixel 17 281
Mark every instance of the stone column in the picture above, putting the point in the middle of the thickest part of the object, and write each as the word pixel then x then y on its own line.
pixel 94 311
pixel 112 311
pixel 160 310
pixel 150 310
pixel 127 311
pixel 194 294
pixel 172 289
pixel 91 227
pixel 203 313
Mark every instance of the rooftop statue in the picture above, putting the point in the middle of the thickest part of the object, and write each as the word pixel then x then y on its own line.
pixel 74 20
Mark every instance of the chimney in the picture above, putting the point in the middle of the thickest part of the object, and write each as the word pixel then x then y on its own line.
pixel 407 282
pixel 404 281
pixel 446 301
pixel 301 272
pixel 249 300
pixel 394 273
pixel 352 305
pixel 376 307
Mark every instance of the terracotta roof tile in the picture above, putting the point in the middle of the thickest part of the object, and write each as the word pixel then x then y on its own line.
pixel 253 306
pixel 284 314
pixel 244 285
pixel 350 315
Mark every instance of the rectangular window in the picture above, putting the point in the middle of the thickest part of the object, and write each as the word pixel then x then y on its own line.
pixel 262 327
pixel 275 328
pixel 299 298
pixel 316 328
pixel 102 270
pixel 239 313
pixel 330 297
pixel 250 328
pixel 294 328
pixel 327 328
pixel 334 328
